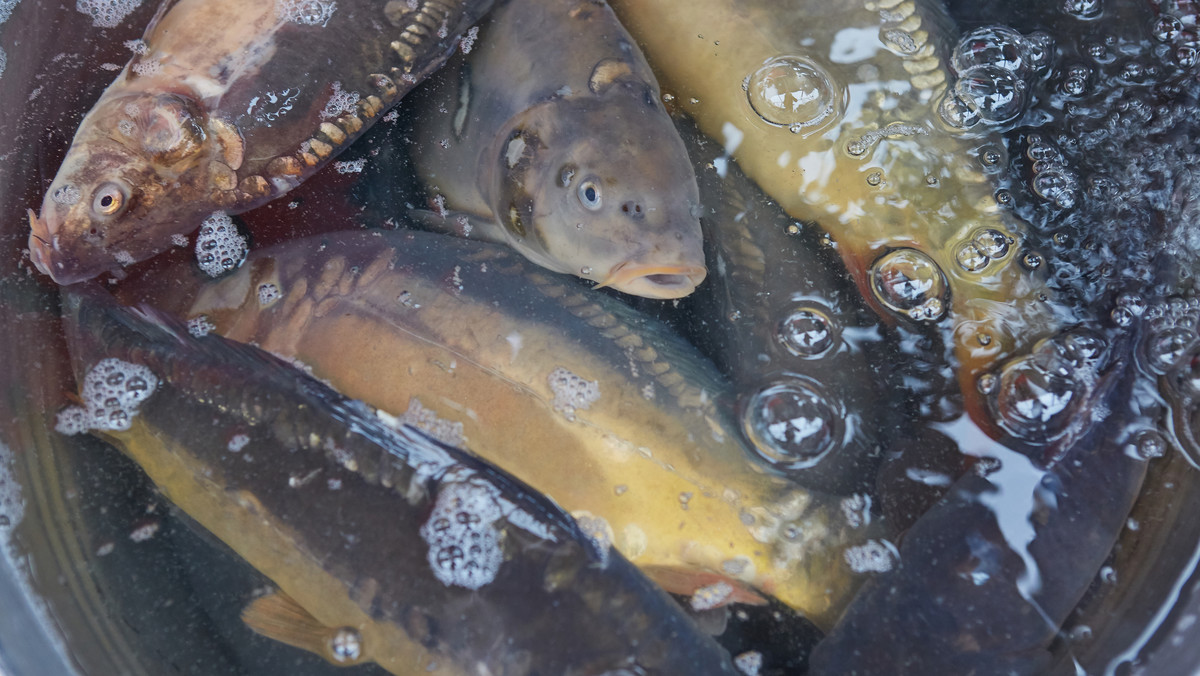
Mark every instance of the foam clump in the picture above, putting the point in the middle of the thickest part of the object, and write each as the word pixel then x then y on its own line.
pixel 572 392
pixel 107 13
pixel 112 392
pixel 219 246
pixel 464 543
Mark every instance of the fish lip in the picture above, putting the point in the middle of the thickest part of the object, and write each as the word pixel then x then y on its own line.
pixel 41 252
pixel 655 280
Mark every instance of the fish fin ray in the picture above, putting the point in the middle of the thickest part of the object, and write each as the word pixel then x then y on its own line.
pixel 685 581
pixel 280 618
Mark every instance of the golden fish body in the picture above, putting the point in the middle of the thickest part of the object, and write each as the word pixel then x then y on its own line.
pixel 386 546
pixel 223 108
pixel 868 156
pixel 592 404
pixel 551 136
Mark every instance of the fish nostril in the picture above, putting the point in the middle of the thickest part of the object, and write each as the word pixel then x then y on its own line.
pixel 633 210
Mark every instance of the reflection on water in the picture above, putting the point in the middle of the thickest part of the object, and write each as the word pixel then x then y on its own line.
pixel 953 288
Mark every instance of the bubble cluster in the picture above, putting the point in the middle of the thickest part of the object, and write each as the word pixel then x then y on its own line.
pixel 571 392
pixel 220 248
pixel 107 13
pixel 305 12
pixel 749 663
pixel 1038 396
pixel 200 326
pixel 985 246
pixel 711 596
pixel 910 283
pixel 350 166
pixel 857 509
pixel 792 424
pixel 112 392
pixel 464 544
pixel 12 506
pixel 794 92
pixel 1171 332
pixel 873 556
pixel 807 332
pixel 449 432
pixel 1083 9
pixel 995 67
pixel 66 195
pixel 340 102
pixel 268 294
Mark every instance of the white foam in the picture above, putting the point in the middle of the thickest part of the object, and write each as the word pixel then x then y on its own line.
pixel 571 392
pixel 219 246
pixel 464 545
pixel 873 556
pixel 107 13
pixel 306 12
pixel 112 392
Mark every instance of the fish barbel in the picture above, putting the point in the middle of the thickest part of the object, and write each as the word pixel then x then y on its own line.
pixel 596 406
pixel 223 107
pixel 386 545
pixel 551 136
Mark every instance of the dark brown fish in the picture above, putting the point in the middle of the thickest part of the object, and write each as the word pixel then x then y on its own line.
pixel 226 105
pixel 553 139
pixel 386 545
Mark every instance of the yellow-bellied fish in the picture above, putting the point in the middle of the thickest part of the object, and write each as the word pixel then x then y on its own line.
pixel 833 109
pixel 224 107
pixel 570 390
pixel 386 545
pixel 552 138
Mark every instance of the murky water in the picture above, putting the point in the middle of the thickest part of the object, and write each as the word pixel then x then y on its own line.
pixel 953 288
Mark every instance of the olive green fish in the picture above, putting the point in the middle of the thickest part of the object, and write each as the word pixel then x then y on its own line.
pixel 570 390
pixel 552 138
pixel 386 546
pixel 225 105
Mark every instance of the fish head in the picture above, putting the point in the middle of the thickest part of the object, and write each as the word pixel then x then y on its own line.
pixel 605 191
pixel 137 173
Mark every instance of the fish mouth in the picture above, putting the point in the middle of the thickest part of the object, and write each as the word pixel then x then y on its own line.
pixel 663 282
pixel 40 250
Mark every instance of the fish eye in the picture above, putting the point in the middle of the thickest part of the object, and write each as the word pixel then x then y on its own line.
pixel 589 195
pixel 108 200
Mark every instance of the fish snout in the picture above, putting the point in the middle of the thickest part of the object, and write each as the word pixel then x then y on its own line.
pixel 45 255
pixel 652 280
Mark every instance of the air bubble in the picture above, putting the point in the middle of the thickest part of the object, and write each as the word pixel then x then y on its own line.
pixel 1149 444
pixel 955 113
pixel 1083 9
pixel 220 248
pixel 1056 186
pixel 464 545
pixel 874 178
pixel 909 283
pixel 997 46
pixel 794 92
pixel 792 423
pixel 970 258
pixel 992 243
pixel 807 332
pixel 1165 348
pixel 345 646
pixel 112 392
pixel 1166 28
pixel 995 94
pixel 268 294
pixel 1186 56
pixel 107 13
pixel 1039 394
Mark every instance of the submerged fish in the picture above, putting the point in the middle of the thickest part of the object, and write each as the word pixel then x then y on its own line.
pixel 789 327
pixel 552 138
pixel 987 577
pixel 570 390
pixel 223 108
pixel 834 111
pixel 386 546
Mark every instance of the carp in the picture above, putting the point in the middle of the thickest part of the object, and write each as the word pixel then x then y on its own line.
pixel 223 107
pixel 386 545
pixel 602 409
pixel 550 136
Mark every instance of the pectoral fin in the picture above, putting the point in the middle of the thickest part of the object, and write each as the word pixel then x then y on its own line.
pixel 277 616
pixel 459 224
pixel 705 588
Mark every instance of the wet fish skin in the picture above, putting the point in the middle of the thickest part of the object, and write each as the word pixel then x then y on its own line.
pixel 962 598
pixel 349 545
pixel 771 269
pixel 552 138
pixel 474 333
pixel 223 108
